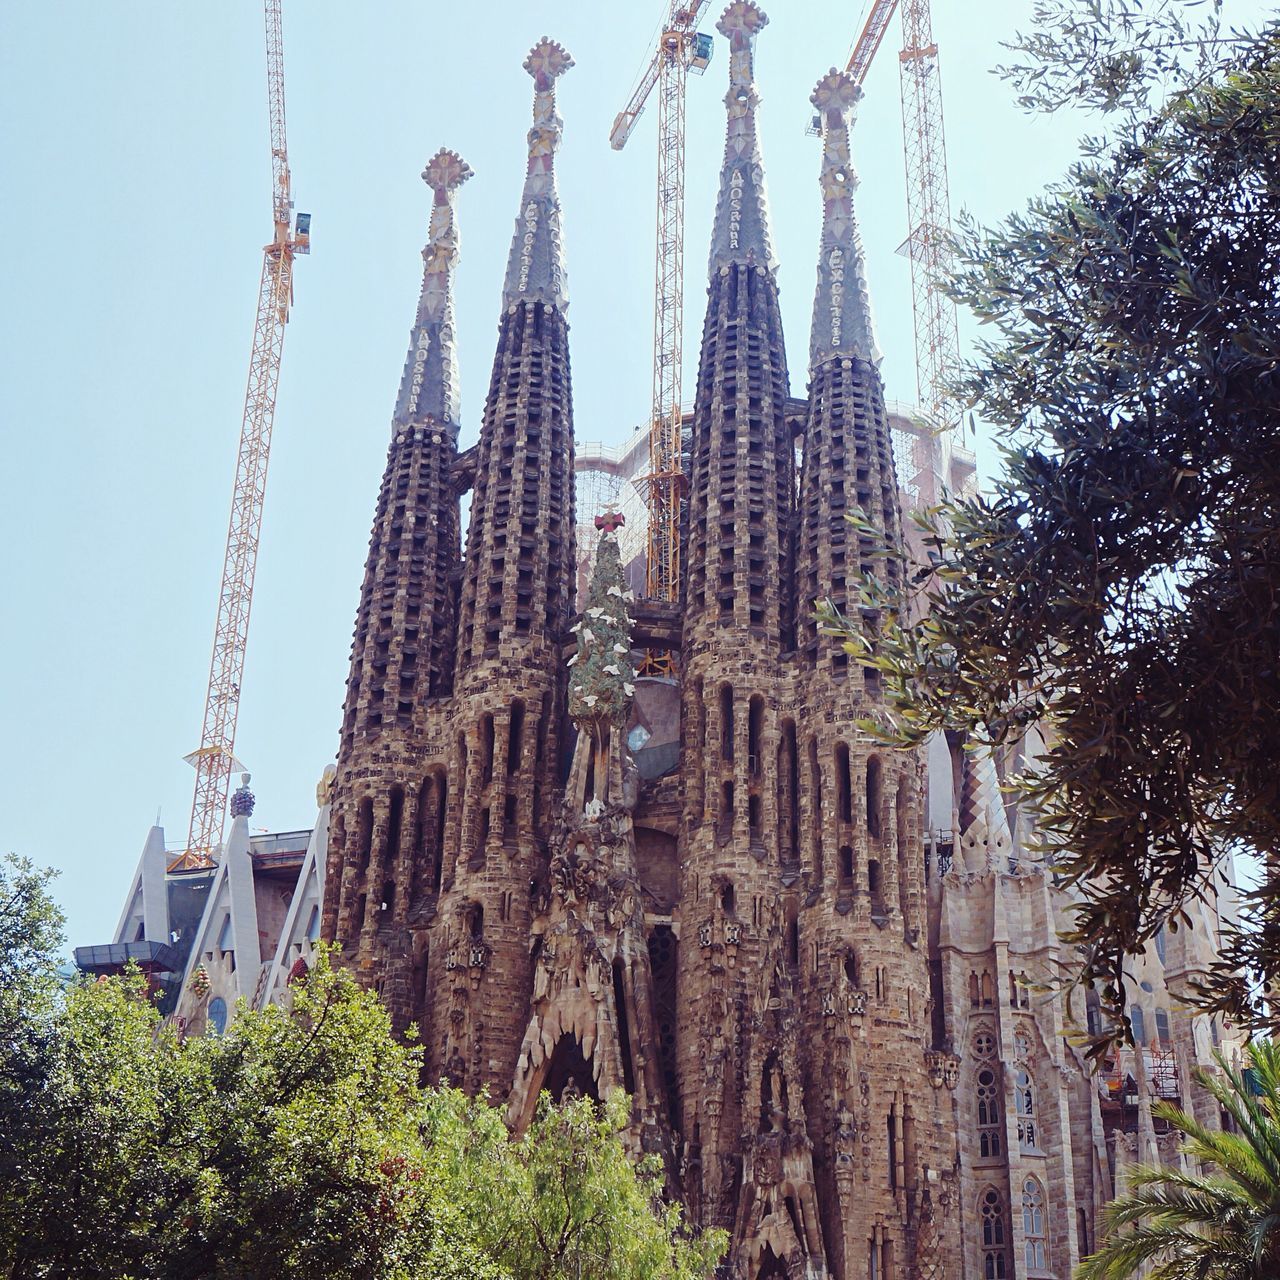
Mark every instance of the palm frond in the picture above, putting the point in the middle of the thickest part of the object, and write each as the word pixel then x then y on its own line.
pixel 1175 1224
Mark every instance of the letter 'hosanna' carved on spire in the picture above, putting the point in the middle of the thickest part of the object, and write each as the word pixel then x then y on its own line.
pixel 429 387
pixel 535 270
pixel 841 307
pixel 741 231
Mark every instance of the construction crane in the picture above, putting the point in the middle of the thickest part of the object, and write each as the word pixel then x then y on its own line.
pixel 215 759
pixel 928 242
pixel 681 48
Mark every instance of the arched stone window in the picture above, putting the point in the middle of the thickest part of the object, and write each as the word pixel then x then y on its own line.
pixel 1139 1020
pixel 989 1123
pixel 874 798
pixel 726 723
pixel 1033 1226
pixel 1093 1013
pixel 486 748
pixel 1162 1027
pixel 1024 1096
pixel 755 734
pixel 991 1213
pixel 515 736
pixel 846 865
pixel 844 783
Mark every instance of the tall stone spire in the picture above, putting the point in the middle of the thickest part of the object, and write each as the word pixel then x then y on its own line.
pixel 404 639
pixel 514 614
pixel 429 387
pixel 742 465
pixel 742 210
pixel 535 268
pixel 742 1097
pixel 861 817
pixel 380 863
pixel 518 579
pixel 848 449
pixel 841 306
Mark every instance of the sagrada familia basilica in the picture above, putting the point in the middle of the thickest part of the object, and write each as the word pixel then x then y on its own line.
pixel 819 966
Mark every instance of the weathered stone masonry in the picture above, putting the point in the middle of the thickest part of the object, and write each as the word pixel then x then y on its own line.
pixel 806 1003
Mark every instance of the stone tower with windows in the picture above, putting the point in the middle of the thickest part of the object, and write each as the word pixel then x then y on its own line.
pixel 827 1022
pixel 880 1114
pixel 391 797
pixel 735 940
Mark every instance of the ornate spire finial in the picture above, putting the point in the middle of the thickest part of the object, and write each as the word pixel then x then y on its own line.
pixel 242 799
pixel 841 307
pixel 429 387
pixel 535 269
pixel 547 61
pixel 741 231
pixel 446 171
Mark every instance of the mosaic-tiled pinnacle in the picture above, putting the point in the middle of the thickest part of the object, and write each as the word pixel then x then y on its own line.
pixel 429 387
pixel 741 232
pixel 535 269
pixel 984 825
pixel 842 323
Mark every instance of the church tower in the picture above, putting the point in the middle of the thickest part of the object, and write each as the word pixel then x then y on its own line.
pixel 514 616
pixel 878 1108
pixel 390 791
pixel 746 1152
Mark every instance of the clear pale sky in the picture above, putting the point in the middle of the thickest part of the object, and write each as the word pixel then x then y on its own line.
pixel 137 200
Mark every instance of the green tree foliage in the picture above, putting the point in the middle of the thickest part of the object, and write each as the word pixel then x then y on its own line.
pixel 30 936
pixel 301 1144
pixel 565 1200
pixel 1219 1225
pixel 1121 584
pixel 287 1148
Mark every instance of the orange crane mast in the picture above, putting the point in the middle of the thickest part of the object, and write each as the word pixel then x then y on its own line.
pixel 215 759
pixel 928 242
pixel 681 49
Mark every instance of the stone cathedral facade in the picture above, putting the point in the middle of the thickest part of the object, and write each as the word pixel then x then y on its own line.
pixel 814 975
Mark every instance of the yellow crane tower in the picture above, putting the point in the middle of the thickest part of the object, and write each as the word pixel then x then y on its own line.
pixel 928 242
pixel 214 759
pixel 681 48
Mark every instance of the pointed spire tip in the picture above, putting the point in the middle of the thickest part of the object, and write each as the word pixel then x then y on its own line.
pixel 842 323
pixel 535 268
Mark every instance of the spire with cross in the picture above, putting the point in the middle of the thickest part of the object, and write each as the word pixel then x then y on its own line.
pixel 535 269
pixel 841 307
pixel 429 387
pixel 741 231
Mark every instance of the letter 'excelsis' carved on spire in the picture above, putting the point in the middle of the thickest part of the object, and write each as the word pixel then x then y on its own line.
pixel 429 388
pixel 841 307
pixel 741 231
pixel 535 270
